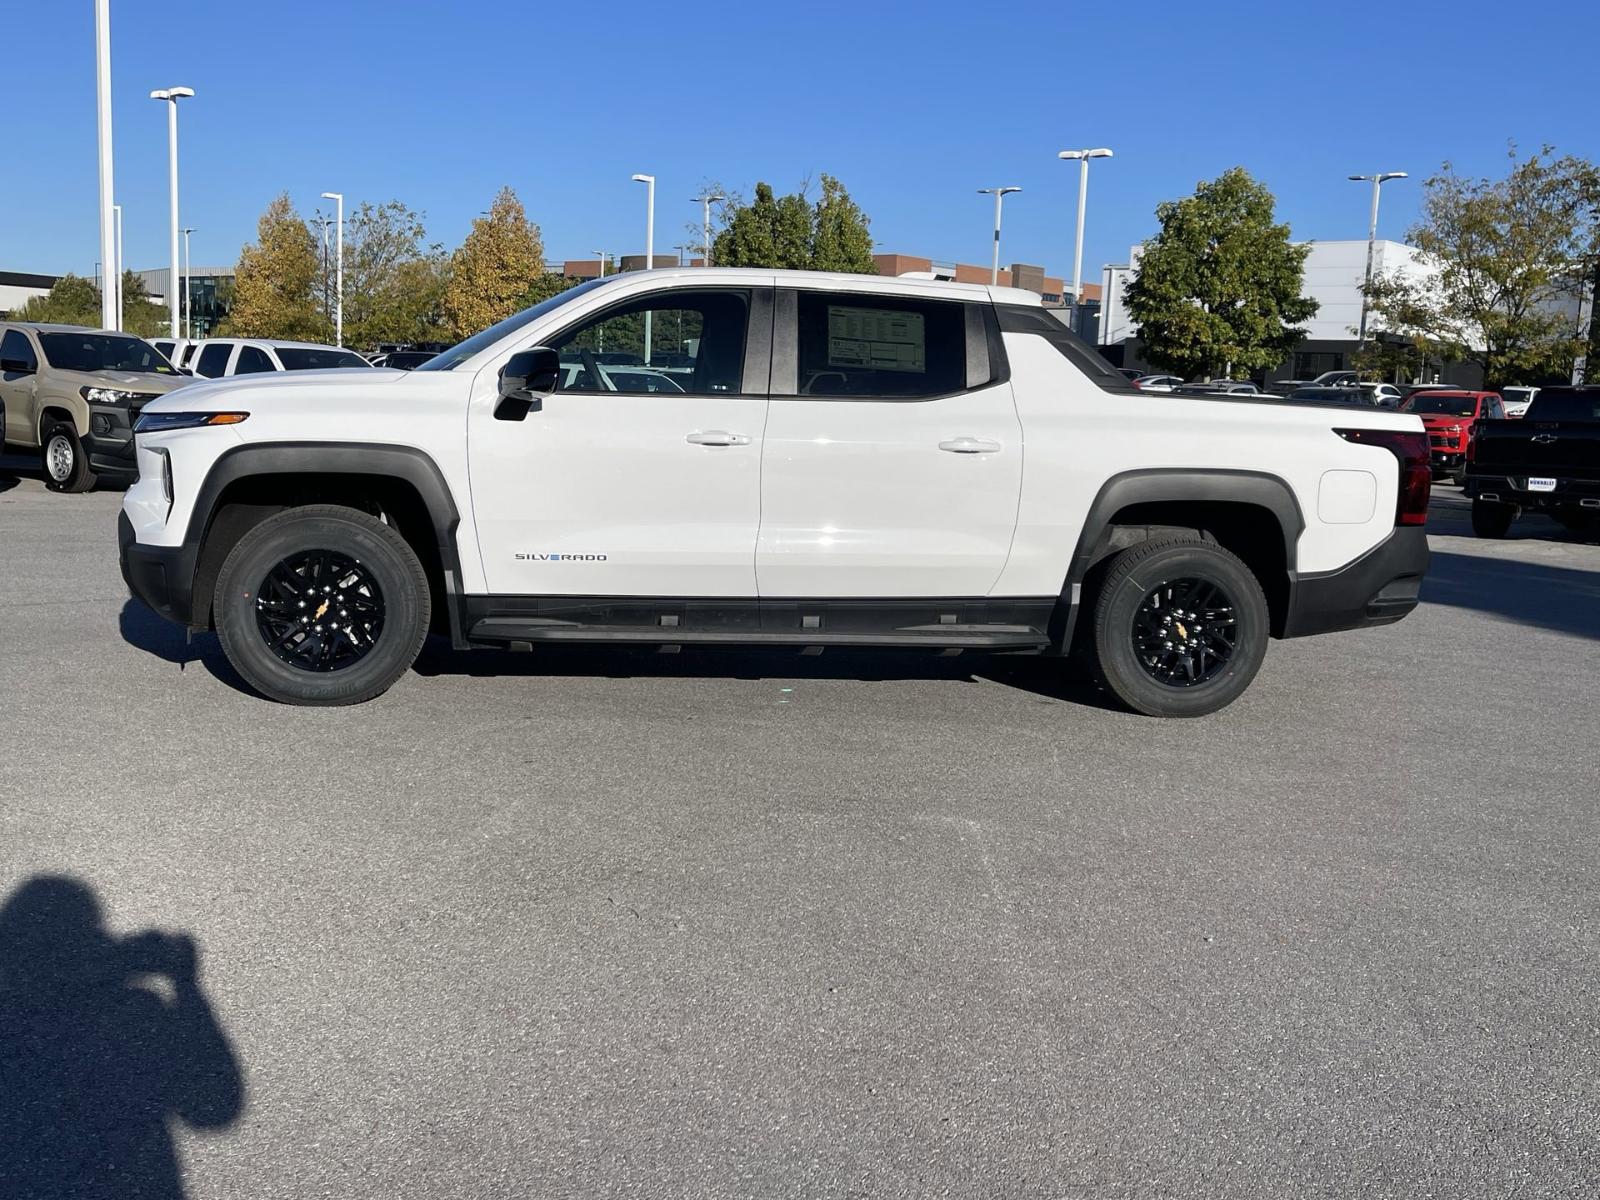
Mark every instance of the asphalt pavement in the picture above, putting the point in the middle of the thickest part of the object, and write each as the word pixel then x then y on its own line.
pixel 600 923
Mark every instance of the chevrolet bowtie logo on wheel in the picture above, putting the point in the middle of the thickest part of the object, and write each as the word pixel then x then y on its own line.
pixel 561 558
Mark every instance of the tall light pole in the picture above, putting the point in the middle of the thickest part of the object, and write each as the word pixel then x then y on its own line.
pixel 705 201
pixel 1377 182
pixel 601 255
pixel 999 194
pixel 1083 157
pixel 171 96
pixel 188 295
pixel 338 267
pixel 116 275
pixel 649 246
pixel 102 90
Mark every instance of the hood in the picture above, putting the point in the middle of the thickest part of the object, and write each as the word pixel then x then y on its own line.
pixel 331 386
pixel 129 381
pixel 1437 420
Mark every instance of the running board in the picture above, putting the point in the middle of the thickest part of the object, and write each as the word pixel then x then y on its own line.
pixel 508 631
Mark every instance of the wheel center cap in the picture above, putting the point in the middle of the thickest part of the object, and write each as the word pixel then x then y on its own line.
pixel 322 608
pixel 1183 632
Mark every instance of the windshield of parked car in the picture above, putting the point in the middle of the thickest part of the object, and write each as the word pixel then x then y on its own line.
pixel 318 358
pixel 1565 404
pixel 89 351
pixel 1434 405
pixel 459 353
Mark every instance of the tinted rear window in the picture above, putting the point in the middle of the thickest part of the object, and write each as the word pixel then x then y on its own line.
pixel 1435 405
pixel 1565 404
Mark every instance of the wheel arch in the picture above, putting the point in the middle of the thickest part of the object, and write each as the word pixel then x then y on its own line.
pixel 1254 514
pixel 250 483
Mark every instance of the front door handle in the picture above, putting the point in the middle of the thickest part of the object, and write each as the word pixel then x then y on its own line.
pixel 970 445
pixel 717 437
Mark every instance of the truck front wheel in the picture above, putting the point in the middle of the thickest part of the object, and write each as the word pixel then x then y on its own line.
pixel 63 459
pixel 321 605
pixel 1180 627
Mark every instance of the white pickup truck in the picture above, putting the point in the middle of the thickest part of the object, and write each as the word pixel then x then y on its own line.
pixel 842 461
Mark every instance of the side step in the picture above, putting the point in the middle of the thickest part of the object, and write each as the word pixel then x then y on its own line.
pixel 511 630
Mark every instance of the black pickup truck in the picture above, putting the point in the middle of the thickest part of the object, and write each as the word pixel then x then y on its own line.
pixel 1547 461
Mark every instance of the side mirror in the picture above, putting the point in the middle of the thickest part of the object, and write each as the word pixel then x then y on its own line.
pixel 526 379
pixel 15 366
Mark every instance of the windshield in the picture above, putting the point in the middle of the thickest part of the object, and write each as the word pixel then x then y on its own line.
pixel 1435 405
pixel 1565 404
pixel 102 352
pixel 459 353
pixel 306 358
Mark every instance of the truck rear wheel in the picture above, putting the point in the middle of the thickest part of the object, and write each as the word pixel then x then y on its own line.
pixel 322 605
pixel 1492 518
pixel 1180 627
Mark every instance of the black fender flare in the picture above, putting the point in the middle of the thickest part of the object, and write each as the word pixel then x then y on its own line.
pixel 1172 485
pixel 406 463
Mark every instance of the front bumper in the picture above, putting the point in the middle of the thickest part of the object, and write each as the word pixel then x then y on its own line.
pixel 1379 588
pixel 1446 460
pixel 159 576
pixel 109 441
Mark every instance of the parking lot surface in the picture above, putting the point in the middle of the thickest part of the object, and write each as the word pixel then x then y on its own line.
pixel 729 925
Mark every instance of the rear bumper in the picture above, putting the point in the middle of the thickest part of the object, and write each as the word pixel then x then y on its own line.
pixel 1569 492
pixel 159 576
pixel 1379 588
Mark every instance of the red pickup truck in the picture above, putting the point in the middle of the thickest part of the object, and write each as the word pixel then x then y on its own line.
pixel 1448 417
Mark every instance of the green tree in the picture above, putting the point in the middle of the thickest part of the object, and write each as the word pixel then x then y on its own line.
pixel 393 280
pixel 76 301
pixel 73 300
pixel 789 233
pixel 275 286
pixel 494 268
pixel 840 241
pixel 1218 288
pixel 1504 260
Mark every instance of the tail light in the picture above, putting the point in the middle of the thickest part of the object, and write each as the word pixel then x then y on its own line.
pixel 1416 475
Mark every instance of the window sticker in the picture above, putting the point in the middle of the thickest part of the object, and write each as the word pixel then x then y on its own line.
pixel 876 338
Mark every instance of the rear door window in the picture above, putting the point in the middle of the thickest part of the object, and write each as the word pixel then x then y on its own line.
pixel 251 360
pixel 863 346
pixel 213 360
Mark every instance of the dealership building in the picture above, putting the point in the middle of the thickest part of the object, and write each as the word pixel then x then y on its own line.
pixel 1334 273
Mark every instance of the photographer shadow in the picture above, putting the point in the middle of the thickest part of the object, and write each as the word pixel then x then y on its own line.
pixel 104 1042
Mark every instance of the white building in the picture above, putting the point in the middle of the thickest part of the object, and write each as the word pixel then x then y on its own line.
pixel 1334 273
pixel 18 287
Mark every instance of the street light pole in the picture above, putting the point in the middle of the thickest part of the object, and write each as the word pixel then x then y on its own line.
pixel 705 203
pixel 116 275
pixel 338 267
pixel 171 96
pixel 999 194
pixel 188 294
pixel 601 255
pixel 1083 157
pixel 649 245
pixel 1377 182
pixel 102 76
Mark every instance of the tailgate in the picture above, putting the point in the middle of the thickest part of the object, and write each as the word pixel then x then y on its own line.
pixel 1538 447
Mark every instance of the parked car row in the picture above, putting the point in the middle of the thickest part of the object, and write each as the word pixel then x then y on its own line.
pixel 73 395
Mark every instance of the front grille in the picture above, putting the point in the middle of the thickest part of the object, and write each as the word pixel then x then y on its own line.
pixel 1441 443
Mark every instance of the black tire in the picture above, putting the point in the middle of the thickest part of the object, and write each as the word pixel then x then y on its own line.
pixel 62 458
pixel 1144 589
pixel 297 559
pixel 1492 518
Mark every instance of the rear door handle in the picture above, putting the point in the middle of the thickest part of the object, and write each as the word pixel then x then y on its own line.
pixel 717 437
pixel 970 445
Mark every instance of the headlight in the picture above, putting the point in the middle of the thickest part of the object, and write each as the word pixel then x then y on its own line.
pixel 160 422
pixel 99 395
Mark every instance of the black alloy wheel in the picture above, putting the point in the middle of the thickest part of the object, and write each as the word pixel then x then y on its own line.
pixel 1185 632
pixel 320 610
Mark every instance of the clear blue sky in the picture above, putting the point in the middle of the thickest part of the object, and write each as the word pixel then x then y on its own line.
pixel 913 105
